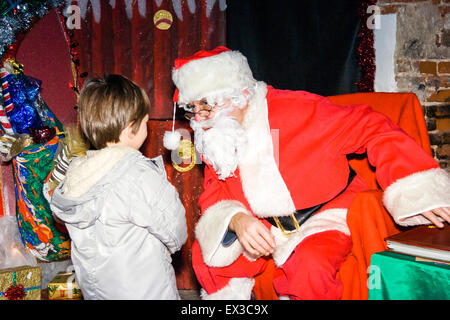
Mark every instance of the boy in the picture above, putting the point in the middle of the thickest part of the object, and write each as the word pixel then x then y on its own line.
pixel 123 216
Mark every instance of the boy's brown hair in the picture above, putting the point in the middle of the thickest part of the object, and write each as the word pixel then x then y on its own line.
pixel 108 105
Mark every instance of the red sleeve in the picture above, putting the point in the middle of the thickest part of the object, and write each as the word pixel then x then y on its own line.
pixel 412 180
pixel 390 150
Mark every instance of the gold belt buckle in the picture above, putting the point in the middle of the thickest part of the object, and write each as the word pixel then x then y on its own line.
pixel 284 232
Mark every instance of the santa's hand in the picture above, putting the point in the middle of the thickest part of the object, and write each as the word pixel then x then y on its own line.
pixel 433 215
pixel 252 234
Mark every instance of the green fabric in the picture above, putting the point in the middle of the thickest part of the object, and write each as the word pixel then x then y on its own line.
pixel 37 226
pixel 394 276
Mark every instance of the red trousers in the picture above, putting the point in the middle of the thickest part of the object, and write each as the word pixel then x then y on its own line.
pixel 309 273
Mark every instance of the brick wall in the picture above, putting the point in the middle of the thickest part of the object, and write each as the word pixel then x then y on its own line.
pixel 422 63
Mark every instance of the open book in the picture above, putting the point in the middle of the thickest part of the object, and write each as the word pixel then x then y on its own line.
pixel 423 241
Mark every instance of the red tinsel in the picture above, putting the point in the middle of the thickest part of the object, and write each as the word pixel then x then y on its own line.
pixel 12 49
pixel 15 292
pixel 73 51
pixel 366 50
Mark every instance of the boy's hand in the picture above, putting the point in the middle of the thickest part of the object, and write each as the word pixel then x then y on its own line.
pixel 252 234
pixel 432 215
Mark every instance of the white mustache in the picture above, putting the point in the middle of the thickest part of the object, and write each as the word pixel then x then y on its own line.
pixel 220 114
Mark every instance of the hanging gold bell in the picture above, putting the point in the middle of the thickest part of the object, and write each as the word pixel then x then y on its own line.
pixel 186 151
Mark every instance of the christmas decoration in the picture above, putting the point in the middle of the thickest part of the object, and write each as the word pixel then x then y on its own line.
pixel 186 153
pixel 73 46
pixel 12 145
pixel 4 120
pixel 21 283
pixel 7 104
pixel 142 7
pixel 18 16
pixel 365 50
pixel 163 19
pixel 64 287
pixel 20 92
pixel 6 95
pixel 22 109
pixel 37 226
pixel 32 148
pixel 15 292
pixel 43 134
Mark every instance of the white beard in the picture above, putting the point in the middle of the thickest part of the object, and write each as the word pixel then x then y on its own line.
pixel 222 144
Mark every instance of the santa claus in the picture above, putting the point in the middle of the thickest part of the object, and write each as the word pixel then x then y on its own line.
pixel 277 181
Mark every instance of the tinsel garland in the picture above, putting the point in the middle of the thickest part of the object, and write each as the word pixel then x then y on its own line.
pixel 18 16
pixel 73 47
pixel 366 50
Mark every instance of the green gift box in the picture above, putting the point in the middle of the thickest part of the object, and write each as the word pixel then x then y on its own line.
pixel 21 283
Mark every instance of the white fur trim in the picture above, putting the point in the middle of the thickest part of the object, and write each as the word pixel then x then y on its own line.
pixel 85 172
pixel 236 289
pixel 262 183
pixel 248 257
pixel 210 230
pixel 331 219
pixel 406 198
pixel 171 140
pixel 218 75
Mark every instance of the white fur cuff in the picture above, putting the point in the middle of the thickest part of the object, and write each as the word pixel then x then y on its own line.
pixel 417 193
pixel 236 289
pixel 210 230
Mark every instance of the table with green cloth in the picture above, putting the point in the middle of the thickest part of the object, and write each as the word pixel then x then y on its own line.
pixel 395 276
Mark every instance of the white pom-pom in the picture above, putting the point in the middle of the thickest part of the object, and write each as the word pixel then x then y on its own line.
pixel 172 140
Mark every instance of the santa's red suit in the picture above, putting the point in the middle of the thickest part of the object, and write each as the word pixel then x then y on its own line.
pixel 295 159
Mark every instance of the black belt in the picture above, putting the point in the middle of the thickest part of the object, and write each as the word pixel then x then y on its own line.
pixel 295 220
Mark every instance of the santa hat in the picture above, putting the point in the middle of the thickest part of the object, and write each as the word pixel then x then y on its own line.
pixel 211 74
pixel 218 73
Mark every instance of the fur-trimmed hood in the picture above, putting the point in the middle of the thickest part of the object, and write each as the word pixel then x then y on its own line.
pixel 86 178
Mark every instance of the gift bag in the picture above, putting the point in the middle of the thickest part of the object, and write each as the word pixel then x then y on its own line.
pixel 37 225
pixel 30 140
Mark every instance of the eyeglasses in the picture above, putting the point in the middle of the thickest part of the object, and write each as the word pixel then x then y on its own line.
pixel 203 109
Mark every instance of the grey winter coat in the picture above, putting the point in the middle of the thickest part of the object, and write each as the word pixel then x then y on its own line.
pixel 124 219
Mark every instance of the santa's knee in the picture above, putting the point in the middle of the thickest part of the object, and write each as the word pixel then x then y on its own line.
pixel 326 250
pixel 311 269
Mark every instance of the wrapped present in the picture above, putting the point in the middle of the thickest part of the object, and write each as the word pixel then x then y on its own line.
pixel 64 287
pixel 20 283
pixel 37 225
